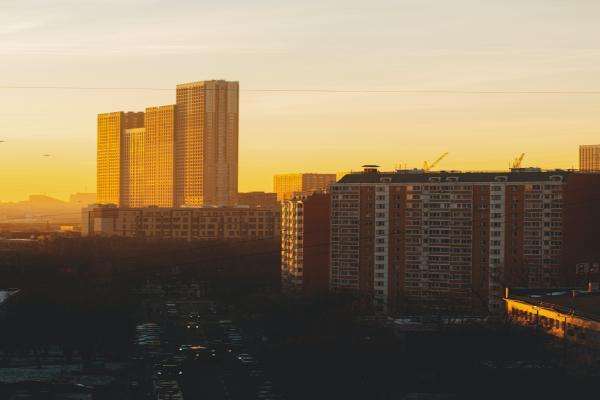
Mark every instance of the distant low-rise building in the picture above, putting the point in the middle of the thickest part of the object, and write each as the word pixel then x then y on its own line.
pixel 257 199
pixel 589 158
pixel 40 208
pixel 210 223
pixel 289 185
pixel 572 315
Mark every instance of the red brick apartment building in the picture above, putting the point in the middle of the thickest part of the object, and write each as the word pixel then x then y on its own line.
pixel 305 239
pixel 458 238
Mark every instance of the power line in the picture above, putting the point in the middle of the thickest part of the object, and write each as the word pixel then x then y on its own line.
pixel 334 91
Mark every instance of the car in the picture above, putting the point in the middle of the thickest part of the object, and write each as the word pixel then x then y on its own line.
pixel 166 385
pixel 257 373
pixel 220 348
pixel 248 360
pixel 168 371
pixel 192 347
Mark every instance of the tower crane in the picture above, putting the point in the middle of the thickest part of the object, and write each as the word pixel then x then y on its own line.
pixel 517 162
pixel 428 167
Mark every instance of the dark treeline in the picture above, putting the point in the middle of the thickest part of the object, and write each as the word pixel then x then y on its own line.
pixel 78 293
pixel 317 349
pixel 119 261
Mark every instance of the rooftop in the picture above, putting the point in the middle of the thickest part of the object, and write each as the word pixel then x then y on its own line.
pixel 579 302
pixel 202 83
pixel 416 176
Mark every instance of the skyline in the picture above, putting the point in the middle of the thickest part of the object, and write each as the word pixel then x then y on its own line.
pixel 525 46
pixel 184 154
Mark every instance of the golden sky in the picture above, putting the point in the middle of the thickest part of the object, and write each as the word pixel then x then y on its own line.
pixel 462 45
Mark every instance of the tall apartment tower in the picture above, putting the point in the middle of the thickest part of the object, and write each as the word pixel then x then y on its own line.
pixel 175 155
pixel 206 137
pixel 457 239
pixel 589 158
pixel 159 156
pixel 289 185
pixel 110 160
pixel 132 171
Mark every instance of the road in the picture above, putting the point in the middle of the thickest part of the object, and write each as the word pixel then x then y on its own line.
pixel 189 348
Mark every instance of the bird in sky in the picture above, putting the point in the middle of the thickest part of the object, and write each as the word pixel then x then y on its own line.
pixel 2 141
pixel 45 155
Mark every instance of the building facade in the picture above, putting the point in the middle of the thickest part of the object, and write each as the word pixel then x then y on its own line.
pixel 305 234
pixel 289 185
pixel 159 157
pixel 109 162
pixel 185 155
pixel 132 171
pixel 589 158
pixel 206 133
pixel 257 199
pixel 209 223
pixel 460 238
pixel 572 316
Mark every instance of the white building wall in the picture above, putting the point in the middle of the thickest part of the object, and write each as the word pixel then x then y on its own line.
pixel 381 262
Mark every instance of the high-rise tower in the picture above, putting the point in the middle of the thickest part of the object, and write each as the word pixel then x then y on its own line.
pixel 132 173
pixel 206 143
pixel 159 156
pixel 111 129
pixel 172 156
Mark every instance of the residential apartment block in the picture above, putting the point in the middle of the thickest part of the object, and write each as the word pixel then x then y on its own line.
pixel 257 199
pixel 459 238
pixel 110 162
pixel 172 156
pixel 207 120
pixel 589 158
pixel 305 243
pixel 159 158
pixel 289 185
pixel 208 223
pixel 132 168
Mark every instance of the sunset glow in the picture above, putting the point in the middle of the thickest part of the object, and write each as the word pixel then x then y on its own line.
pixel 409 45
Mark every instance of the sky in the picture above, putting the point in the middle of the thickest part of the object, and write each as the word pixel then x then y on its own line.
pixel 420 45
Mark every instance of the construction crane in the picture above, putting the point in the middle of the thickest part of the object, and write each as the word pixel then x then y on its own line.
pixel 517 162
pixel 428 167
